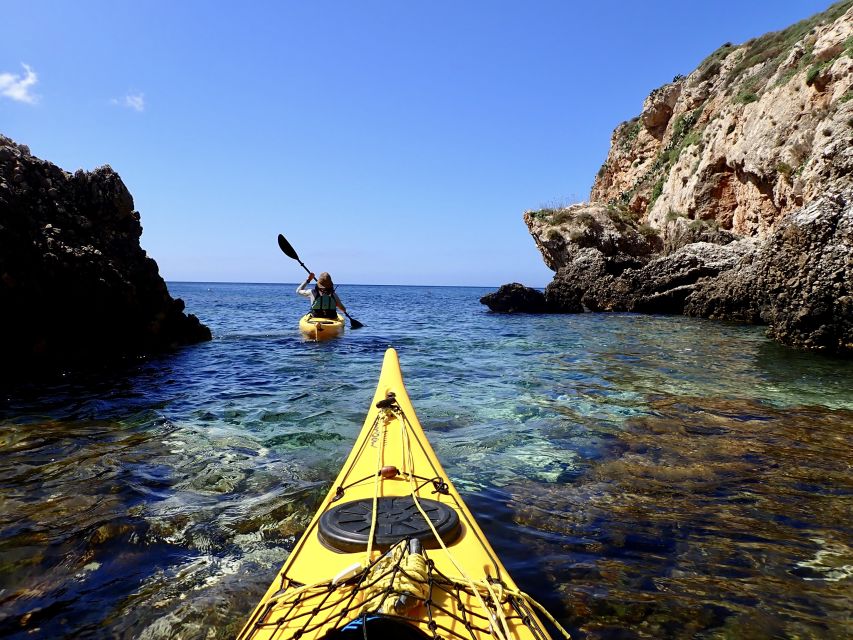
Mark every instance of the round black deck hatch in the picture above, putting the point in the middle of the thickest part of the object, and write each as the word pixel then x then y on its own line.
pixel 346 527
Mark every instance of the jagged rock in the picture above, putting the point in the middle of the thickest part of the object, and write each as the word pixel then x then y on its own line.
pixel 516 298
pixel 561 235
pixel 75 285
pixel 663 284
pixel 682 232
pixel 711 201
pixel 608 283
pixel 658 107
pixel 799 282
pixel 742 144
pixel 571 282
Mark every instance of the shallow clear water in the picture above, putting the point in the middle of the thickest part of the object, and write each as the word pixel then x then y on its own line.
pixel 642 476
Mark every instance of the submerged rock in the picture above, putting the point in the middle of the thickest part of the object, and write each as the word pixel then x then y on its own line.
pixel 76 288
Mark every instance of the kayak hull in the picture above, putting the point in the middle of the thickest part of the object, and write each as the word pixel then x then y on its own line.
pixel 392 463
pixel 319 329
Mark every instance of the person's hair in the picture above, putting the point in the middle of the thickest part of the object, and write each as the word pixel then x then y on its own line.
pixel 325 281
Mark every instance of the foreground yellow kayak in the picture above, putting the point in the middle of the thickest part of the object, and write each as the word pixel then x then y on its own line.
pixel 320 328
pixel 393 552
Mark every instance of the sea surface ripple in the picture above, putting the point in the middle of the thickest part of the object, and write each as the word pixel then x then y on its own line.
pixel 642 476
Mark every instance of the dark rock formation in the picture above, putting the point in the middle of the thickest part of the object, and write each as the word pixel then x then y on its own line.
pixel 76 288
pixel 712 202
pixel 516 298
pixel 618 283
pixel 799 282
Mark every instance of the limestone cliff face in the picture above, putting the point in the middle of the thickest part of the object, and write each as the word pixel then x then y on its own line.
pixel 698 187
pixel 754 133
pixel 76 288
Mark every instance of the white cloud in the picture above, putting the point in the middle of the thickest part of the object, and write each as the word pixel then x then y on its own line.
pixel 135 101
pixel 18 87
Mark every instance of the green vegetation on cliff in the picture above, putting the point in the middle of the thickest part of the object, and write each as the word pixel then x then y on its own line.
pixel 770 51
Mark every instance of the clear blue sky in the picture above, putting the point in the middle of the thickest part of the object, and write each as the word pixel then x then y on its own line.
pixel 394 142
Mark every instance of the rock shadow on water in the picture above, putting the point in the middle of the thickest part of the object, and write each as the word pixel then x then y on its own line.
pixel 69 537
pixel 705 518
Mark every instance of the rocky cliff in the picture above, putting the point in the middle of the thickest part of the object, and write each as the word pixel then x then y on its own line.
pixel 729 196
pixel 76 288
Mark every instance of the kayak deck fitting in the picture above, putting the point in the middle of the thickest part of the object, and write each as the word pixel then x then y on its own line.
pixel 393 551
pixel 319 329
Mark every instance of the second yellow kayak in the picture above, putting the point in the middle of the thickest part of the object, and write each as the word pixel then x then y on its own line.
pixel 318 329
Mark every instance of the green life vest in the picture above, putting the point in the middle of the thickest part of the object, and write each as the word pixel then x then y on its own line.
pixel 323 301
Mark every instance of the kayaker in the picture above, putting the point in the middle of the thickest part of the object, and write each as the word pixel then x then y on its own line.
pixel 322 295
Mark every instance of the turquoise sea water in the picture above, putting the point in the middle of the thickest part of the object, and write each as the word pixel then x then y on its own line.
pixel 642 476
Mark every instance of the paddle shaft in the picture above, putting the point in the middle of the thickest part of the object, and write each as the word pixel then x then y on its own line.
pixel 307 270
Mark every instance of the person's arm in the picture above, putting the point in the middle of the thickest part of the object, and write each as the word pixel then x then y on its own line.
pixel 301 289
pixel 339 304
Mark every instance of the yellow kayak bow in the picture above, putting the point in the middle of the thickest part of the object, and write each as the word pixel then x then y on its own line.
pixel 393 551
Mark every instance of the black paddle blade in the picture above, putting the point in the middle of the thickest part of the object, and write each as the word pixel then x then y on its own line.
pixel 284 245
pixel 353 323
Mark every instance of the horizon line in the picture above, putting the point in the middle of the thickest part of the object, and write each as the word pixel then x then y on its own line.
pixel 343 284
